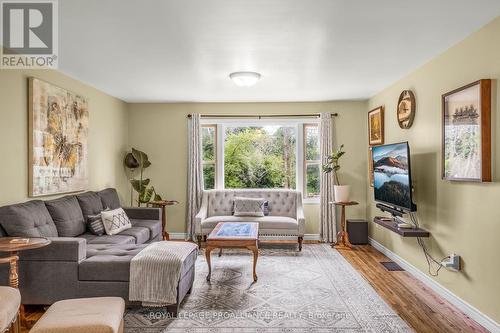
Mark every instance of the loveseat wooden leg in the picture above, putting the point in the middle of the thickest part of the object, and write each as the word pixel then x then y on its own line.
pixel 199 241
pixel 300 243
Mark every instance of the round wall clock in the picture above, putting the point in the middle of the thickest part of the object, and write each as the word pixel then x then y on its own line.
pixel 406 109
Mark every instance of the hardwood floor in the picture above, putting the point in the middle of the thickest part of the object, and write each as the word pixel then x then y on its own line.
pixel 423 309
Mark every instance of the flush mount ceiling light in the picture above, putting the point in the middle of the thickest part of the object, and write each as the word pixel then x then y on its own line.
pixel 244 79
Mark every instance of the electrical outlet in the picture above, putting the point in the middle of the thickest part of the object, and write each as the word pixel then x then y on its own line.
pixel 452 263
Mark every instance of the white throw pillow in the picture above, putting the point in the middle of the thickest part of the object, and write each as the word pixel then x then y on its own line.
pixel 115 221
pixel 249 206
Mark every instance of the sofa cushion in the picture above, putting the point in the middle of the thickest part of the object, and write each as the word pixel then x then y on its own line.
pixel 67 216
pixel 154 226
pixel 140 234
pixel 90 203
pixel 109 198
pixel 106 239
pixel 27 219
pixel 265 222
pixel 108 262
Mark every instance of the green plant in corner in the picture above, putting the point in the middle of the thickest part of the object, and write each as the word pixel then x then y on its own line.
pixel 139 160
pixel 332 163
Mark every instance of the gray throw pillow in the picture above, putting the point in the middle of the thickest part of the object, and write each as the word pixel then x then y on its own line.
pixel 248 206
pixel 95 225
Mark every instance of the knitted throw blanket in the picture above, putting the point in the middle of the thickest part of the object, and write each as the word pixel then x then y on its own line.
pixel 155 272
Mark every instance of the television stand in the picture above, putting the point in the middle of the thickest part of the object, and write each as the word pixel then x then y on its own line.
pixel 392 225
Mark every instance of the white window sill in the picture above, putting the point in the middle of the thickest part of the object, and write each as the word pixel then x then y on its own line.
pixel 310 201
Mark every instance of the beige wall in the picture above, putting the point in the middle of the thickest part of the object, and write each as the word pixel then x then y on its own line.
pixel 161 131
pixel 462 217
pixel 108 134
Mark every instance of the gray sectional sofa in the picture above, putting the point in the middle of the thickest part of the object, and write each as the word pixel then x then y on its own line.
pixel 78 263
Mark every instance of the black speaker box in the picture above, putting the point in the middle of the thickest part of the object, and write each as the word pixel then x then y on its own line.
pixel 358 231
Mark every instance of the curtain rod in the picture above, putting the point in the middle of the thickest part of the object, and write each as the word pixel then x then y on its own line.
pixel 260 116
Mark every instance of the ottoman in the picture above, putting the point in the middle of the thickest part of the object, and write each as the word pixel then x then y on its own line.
pixel 10 301
pixel 83 315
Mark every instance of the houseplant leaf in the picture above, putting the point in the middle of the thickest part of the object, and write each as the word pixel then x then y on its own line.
pixel 138 185
pixel 141 157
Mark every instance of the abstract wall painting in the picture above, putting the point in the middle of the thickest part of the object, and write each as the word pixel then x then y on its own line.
pixel 466 133
pixel 58 134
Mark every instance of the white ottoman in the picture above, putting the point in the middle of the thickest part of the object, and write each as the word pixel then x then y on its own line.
pixel 10 301
pixel 83 315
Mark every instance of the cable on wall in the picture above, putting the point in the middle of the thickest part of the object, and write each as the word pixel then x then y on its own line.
pixel 433 266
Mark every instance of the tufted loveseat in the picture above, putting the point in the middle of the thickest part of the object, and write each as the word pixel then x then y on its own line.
pixel 286 214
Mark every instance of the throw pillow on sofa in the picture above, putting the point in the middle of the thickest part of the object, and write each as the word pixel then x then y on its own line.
pixel 95 224
pixel 115 221
pixel 248 206
pixel 265 208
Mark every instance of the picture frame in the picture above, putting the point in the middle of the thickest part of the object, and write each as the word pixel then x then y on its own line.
pixel 58 124
pixel 466 133
pixel 406 109
pixel 376 126
pixel 370 166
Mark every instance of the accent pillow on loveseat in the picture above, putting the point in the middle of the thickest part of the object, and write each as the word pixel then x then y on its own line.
pixel 248 206
pixel 115 221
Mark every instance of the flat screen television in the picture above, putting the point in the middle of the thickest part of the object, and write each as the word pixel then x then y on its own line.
pixel 392 176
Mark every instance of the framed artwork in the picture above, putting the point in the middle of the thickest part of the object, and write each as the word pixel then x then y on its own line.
pixel 370 166
pixel 466 133
pixel 406 109
pixel 58 130
pixel 376 126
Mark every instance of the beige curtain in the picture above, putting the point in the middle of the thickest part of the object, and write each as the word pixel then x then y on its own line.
pixel 328 228
pixel 195 173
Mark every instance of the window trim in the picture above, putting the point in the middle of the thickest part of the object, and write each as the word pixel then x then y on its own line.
pixel 299 124
pixel 216 147
pixel 307 162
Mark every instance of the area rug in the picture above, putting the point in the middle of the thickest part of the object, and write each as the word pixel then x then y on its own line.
pixel 315 290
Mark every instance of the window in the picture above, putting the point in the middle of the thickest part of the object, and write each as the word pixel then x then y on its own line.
pixel 259 157
pixel 209 144
pixel 261 154
pixel 312 162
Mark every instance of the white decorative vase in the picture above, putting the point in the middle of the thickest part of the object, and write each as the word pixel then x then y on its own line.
pixel 342 192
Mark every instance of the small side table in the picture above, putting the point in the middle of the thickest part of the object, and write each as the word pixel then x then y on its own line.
pixel 342 235
pixel 13 245
pixel 163 204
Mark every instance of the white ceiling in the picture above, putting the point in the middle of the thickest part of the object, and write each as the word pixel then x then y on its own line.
pixel 306 50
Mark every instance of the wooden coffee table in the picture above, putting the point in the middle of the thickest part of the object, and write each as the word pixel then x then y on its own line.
pixel 234 235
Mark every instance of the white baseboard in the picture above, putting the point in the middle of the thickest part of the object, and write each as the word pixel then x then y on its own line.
pixel 177 235
pixel 465 307
pixel 307 237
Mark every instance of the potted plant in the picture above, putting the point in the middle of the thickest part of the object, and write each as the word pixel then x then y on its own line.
pixel 342 192
pixel 138 159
